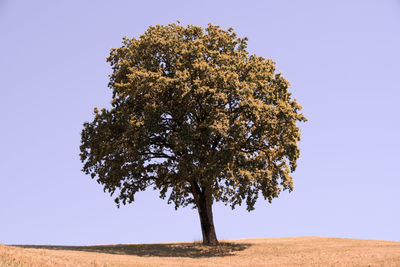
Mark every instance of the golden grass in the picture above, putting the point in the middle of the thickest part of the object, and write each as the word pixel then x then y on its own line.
pixel 297 251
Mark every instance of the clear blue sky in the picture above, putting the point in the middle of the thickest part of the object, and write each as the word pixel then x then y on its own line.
pixel 341 57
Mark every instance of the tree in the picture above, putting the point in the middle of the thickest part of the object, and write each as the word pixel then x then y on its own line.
pixel 197 117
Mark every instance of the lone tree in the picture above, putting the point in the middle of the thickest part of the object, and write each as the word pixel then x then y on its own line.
pixel 197 117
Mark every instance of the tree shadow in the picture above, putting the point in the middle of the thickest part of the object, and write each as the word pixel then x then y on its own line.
pixel 189 250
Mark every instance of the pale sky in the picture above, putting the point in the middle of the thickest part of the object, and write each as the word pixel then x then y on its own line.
pixel 342 59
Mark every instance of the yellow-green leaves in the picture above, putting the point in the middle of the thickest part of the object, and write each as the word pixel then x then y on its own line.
pixel 191 106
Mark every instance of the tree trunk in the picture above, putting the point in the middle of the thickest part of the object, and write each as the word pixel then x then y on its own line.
pixel 203 199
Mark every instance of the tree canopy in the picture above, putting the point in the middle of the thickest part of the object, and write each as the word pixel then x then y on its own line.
pixel 197 117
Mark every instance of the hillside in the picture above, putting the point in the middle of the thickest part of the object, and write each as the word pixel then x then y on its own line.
pixel 297 251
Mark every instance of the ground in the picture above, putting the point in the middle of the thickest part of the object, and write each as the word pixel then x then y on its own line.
pixel 296 251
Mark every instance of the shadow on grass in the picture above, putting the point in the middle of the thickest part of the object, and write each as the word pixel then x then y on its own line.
pixel 190 250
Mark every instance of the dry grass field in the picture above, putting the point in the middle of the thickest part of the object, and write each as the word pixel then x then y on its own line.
pixel 296 251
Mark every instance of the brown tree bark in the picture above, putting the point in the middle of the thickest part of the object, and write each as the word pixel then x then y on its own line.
pixel 204 201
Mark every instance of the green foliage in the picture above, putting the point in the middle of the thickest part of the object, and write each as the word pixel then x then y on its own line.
pixel 191 106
